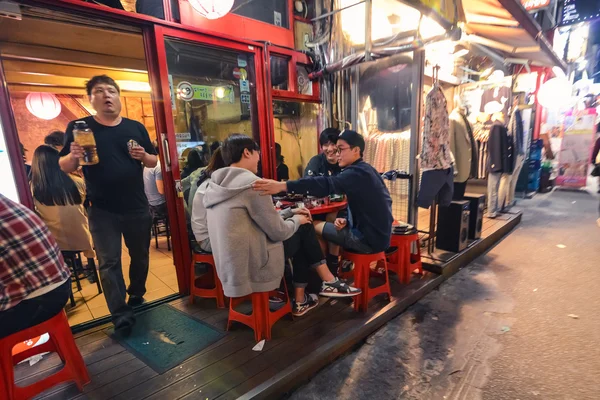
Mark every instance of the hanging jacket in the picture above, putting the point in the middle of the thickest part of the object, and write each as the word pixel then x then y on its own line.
pixel 435 151
pixel 461 147
pixel 500 150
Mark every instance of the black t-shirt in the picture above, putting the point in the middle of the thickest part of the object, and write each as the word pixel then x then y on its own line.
pixel 116 183
pixel 319 166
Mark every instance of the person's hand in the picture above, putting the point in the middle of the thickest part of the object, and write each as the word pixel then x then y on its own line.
pixel 302 211
pixel 304 219
pixel 269 187
pixel 76 151
pixel 340 223
pixel 137 152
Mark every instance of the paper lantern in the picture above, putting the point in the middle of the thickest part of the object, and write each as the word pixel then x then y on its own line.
pixel 212 9
pixel 555 93
pixel 43 105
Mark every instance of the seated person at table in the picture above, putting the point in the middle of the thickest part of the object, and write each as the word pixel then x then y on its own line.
pixel 326 163
pixel 34 279
pixel 368 227
pixel 155 189
pixel 198 211
pixel 55 139
pixel 58 199
pixel 283 172
pixel 246 233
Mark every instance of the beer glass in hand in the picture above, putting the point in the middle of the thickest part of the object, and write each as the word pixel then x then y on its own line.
pixel 84 137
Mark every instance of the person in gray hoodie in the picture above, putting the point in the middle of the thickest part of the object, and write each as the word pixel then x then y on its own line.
pixel 247 234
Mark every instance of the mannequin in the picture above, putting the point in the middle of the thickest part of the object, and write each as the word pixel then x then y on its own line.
pixel 508 183
pixel 461 145
pixel 500 159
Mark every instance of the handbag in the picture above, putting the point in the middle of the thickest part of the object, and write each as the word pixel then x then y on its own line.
pixel 596 170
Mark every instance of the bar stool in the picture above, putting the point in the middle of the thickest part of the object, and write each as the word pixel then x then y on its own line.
pixel 404 262
pixel 198 286
pixel 262 319
pixel 362 272
pixel 61 341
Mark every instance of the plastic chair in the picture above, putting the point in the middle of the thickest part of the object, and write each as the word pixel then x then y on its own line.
pixel 362 272
pixel 61 341
pixel 75 262
pixel 215 290
pixel 262 319
pixel 404 262
pixel 166 229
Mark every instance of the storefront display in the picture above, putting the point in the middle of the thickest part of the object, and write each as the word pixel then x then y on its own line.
pixel 578 137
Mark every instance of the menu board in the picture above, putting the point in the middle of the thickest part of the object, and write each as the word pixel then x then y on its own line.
pixel 575 11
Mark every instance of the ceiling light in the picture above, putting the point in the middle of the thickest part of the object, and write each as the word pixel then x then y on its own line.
pixel 134 86
pixel 220 92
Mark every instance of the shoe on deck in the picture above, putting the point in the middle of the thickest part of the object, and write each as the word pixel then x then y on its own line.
pixel 338 288
pixel 300 309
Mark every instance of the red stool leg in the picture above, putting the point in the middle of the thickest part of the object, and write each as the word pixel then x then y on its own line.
pixel 192 280
pixel 6 369
pixel 68 348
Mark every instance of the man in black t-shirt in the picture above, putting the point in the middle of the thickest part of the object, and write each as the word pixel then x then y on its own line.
pixel 326 163
pixel 117 204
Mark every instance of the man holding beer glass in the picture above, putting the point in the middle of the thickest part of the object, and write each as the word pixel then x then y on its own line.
pixel 113 152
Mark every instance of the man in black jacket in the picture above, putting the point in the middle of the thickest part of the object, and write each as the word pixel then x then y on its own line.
pixel 368 227
pixel 326 163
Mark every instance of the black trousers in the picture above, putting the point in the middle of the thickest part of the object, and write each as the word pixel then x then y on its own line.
pixel 305 251
pixel 34 311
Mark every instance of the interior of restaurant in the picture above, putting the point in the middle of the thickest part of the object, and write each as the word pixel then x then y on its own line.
pixel 46 73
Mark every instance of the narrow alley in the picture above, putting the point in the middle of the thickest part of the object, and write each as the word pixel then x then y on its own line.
pixel 521 322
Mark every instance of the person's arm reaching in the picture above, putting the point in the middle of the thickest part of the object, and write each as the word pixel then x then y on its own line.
pixel 148 155
pixel 319 186
pixel 71 153
pixel 159 180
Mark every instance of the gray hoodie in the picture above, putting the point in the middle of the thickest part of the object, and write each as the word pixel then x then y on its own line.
pixel 246 233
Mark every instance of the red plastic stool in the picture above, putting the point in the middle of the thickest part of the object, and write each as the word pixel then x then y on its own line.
pixel 362 272
pixel 262 318
pixel 404 262
pixel 61 341
pixel 208 279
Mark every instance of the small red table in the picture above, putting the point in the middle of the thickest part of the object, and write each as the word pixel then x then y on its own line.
pixel 329 208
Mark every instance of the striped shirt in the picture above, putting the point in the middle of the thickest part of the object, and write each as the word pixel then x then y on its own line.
pixel 29 256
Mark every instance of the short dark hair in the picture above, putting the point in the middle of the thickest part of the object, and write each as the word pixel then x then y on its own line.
pixel 354 139
pixel 329 135
pixel 55 138
pixel 234 146
pixel 89 85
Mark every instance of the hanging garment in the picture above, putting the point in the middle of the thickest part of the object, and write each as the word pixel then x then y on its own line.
pixel 474 148
pixel 461 147
pixel 516 130
pixel 500 150
pixel 435 150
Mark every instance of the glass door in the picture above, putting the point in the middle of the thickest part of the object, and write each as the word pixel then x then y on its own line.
pixel 211 88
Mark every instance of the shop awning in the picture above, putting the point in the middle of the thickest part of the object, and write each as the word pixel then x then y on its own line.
pixel 506 27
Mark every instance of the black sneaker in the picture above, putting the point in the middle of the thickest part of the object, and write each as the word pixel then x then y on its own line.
pixel 135 301
pixel 299 309
pixel 338 288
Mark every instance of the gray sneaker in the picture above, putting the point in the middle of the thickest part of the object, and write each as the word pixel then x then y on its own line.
pixel 338 288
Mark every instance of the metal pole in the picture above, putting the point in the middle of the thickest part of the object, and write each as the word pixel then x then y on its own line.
pixel 368 19
pixel 336 11
pixel 415 133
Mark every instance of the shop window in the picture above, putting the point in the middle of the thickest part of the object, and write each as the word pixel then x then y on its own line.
pixel 385 101
pixel 213 93
pixel 280 73
pixel 274 12
pixel 296 132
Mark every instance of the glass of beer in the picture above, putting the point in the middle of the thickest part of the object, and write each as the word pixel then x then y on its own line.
pixel 84 137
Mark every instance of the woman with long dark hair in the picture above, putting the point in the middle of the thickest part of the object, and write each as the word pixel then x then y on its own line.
pixel 198 212
pixel 58 199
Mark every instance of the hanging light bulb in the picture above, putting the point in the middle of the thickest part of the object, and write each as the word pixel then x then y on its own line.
pixel 43 105
pixel 212 9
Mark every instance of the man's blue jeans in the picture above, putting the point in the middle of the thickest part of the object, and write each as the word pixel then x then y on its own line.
pixel 108 230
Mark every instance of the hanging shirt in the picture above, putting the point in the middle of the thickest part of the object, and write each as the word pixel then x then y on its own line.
pixel 435 153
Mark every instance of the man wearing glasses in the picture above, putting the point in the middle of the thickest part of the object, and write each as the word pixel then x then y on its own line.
pixel 369 224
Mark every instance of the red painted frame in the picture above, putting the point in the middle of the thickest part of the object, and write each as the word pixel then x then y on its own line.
pixel 12 144
pixel 242 27
pixel 295 58
pixel 162 101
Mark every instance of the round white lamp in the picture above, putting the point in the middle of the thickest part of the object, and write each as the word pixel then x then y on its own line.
pixel 212 9
pixel 43 105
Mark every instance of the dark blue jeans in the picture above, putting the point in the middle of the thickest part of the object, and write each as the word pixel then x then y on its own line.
pixel 108 230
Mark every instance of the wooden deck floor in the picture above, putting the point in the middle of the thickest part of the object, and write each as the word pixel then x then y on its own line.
pixel 229 368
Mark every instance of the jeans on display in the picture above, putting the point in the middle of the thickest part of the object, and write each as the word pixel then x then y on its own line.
pixel 305 251
pixel 493 188
pixel 108 230
pixel 34 311
pixel 519 162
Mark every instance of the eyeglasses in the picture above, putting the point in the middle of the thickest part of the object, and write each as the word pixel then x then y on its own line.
pixel 340 149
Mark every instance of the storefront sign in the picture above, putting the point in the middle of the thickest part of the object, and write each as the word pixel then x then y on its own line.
pixel 172 90
pixel 535 5
pixel 575 11
pixel 188 92
pixel 573 159
pixel 244 86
